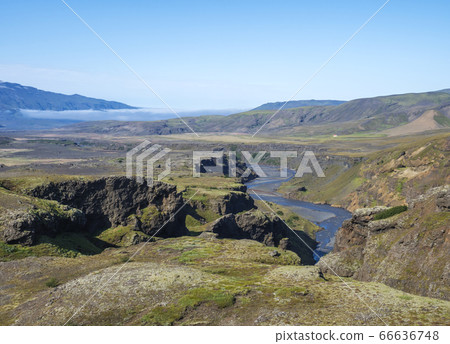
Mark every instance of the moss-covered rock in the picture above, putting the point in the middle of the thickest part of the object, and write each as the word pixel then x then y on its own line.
pixel 408 250
pixel 108 202
pixel 265 228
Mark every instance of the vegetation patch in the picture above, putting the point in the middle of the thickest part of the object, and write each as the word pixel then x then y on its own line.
pixel 22 185
pixel 290 292
pixel 196 254
pixel 442 120
pixel 70 244
pixel 207 215
pixel 52 282
pixel 120 236
pixel 163 315
pixel 114 236
pixel 191 222
pixel 405 297
pixel 390 212
pixel 12 252
pixel 400 184
pixel 168 315
pixel 436 219
pixel 149 214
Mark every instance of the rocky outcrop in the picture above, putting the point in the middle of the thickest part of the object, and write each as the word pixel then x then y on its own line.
pixel 234 202
pixel 408 251
pixel 354 231
pixel 265 228
pixel 443 200
pixel 389 177
pixel 95 205
pixel 402 173
pixel 231 203
pixel 109 202
pixel 23 227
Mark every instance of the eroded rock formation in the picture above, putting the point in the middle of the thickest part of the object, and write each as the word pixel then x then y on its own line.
pixel 95 205
pixel 265 228
pixel 408 251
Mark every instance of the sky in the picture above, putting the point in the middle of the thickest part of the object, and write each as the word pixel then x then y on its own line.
pixel 225 54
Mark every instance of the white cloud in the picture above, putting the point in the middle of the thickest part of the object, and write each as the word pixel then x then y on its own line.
pixel 142 114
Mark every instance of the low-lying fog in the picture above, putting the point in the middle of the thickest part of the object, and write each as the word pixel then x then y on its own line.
pixel 142 114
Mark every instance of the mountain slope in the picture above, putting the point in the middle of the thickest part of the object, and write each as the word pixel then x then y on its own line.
pixel 389 177
pixel 298 103
pixel 425 122
pixel 15 96
pixel 359 115
pixel 370 113
pixel 320 117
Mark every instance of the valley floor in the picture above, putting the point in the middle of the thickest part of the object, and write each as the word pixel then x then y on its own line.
pixel 200 279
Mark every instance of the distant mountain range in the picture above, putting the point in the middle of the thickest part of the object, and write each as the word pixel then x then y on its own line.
pixel 15 97
pixel 28 108
pixel 297 118
pixel 298 103
pixel 367 115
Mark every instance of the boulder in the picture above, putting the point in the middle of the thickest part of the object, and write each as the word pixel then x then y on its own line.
pixel 443 200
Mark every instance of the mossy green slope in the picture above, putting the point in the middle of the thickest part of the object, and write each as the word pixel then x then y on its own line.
pixel 389 177
pixel 196 281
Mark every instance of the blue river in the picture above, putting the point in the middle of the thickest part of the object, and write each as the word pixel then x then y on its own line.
pixel 324 215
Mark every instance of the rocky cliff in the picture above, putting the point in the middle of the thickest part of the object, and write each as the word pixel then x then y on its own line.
pixel 95 205
pixel 399 175
pixel 23 226
pixel 408 251
pixel 230 203
pixel 265 228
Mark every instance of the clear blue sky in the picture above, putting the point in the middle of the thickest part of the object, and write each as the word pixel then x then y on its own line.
pixel 225 54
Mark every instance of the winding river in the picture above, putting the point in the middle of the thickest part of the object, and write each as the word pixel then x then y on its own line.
pixel 328 217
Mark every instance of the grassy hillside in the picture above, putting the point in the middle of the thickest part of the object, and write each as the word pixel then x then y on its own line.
pixel 360 115
pixel 198 281
pixel 298 103
pixel 202 280
pixel 388 177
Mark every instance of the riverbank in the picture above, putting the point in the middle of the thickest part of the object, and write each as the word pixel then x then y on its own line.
pixel 326 216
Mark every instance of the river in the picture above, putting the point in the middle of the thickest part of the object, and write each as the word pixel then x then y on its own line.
pixel 328 217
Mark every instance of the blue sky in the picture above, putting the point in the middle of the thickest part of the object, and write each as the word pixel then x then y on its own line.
pixel 225 54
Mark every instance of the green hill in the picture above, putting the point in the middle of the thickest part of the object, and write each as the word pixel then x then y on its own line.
pixel 359 115
pixel 298 103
